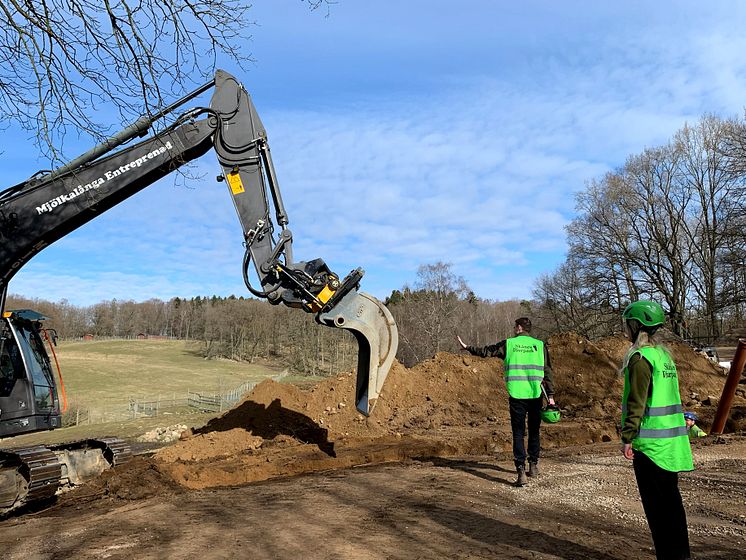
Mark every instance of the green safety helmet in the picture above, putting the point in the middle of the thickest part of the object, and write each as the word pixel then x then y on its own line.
pixel 649 313
pixel 550 414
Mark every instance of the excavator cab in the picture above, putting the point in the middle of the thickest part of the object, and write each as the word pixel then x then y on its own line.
pixel 28 390
pixel 29 403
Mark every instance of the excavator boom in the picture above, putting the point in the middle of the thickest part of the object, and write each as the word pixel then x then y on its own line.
pixel 47 207
pixel 243 152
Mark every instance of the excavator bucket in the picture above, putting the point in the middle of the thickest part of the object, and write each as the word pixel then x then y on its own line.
pixel 377 338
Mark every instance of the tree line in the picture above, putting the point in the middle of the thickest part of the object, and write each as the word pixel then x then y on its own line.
pixel 234 328
pixel 429 314
pixel 439 305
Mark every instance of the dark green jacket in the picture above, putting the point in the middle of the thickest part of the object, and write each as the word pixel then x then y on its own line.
pixel 640 373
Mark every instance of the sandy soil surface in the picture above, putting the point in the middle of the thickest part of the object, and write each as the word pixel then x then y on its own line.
pixel 291 473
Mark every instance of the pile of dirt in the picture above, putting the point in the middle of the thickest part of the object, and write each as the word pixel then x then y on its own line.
pixel 588 381
pixel 450 404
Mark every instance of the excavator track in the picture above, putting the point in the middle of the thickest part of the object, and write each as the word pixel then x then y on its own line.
pixel 34 474
pixel 116 451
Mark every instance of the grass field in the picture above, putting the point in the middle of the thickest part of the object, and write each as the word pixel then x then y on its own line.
pixel 110 372
pixel 101 377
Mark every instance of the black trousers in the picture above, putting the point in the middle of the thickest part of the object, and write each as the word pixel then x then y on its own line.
pixel 661 500
pixel 519 410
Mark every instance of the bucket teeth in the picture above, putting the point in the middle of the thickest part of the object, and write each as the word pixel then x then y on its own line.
pixel 377 337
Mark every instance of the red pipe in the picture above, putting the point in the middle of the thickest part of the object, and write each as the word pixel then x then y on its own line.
pixel 729 391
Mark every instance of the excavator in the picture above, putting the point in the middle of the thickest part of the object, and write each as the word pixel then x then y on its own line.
pixel 51 204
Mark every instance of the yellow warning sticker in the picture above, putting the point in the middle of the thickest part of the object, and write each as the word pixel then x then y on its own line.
pixel 234 180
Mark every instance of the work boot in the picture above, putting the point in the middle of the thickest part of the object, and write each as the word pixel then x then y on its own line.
pixel 522 480
pixel 533 469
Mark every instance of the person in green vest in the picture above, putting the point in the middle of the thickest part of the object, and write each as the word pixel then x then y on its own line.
pixel 527 368
pixel 654 434
pixel 691 425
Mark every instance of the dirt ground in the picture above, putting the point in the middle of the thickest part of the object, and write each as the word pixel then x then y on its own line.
pixel 291 473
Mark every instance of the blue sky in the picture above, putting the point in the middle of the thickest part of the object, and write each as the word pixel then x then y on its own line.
pixel 409 132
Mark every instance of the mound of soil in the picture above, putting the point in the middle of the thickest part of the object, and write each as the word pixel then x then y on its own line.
pixel 452 404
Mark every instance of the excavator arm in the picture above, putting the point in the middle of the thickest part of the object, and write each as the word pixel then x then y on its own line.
pixel 48 206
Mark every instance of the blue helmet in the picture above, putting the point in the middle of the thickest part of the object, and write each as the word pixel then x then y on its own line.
pixel 691 416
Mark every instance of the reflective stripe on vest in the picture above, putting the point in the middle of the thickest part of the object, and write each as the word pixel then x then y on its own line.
pixel 524 367
pixel 662 436
pixel 664 432
pixel 658 410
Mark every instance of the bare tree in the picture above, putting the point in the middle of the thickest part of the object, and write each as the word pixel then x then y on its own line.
pixel 603 257
pixel 734 146
pixel 65 60
pixel 668 225
pixel 719 200
pixel 732 265
pixel 574 298
pixel 428 314
pixel 732 271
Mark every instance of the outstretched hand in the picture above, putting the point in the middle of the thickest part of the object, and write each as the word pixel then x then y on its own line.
pixel 461 342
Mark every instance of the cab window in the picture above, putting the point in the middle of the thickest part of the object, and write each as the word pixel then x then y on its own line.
pixel 11 364
pixel 38 365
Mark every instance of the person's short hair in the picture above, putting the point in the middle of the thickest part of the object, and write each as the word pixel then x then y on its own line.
pixel 524 323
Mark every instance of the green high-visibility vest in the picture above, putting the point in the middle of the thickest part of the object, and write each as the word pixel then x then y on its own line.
pixel 524 367
pixel 662 436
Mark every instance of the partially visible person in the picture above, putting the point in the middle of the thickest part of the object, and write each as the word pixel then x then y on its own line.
pixel 654 433
pixel 691 425
pixel 527 368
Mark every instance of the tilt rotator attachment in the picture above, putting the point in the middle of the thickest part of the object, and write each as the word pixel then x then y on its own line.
pixel 243 152
pixel 311 286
